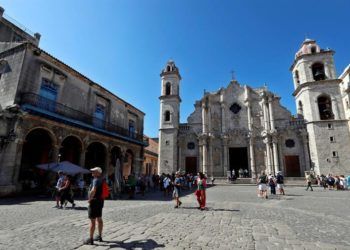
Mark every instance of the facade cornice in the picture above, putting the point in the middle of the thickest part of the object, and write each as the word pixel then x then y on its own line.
pixel 165 97
pixel 307 84
pixel 332 52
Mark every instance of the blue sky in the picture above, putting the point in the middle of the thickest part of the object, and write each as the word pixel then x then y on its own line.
pixel 123 45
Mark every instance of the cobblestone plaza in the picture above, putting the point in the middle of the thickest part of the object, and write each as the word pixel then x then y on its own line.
pixel 235 219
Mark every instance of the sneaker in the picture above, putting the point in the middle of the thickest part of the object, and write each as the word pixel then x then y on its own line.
pixel 73 205
pixel 267 197
pixel 176 207
pixel 180 203
pixel 98 238
pixel 60 207
pixel 88 241
pixel 57 206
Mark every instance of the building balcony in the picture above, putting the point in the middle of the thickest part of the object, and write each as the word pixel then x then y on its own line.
pixel 42 106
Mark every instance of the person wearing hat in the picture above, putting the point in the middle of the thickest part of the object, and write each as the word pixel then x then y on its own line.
pixel 95 205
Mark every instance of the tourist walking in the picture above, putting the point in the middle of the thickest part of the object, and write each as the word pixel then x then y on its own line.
pixel 96 203
pixel 308 181
pixel 66 191
pixel 176 192
pixel 280 183
pixel 262 181
pixel 200 192
pixel 272 185
pixel 59 184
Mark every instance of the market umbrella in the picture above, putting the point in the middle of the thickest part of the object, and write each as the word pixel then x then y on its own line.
pixel 64 166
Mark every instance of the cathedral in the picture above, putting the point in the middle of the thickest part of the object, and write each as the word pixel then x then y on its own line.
pixel 240 127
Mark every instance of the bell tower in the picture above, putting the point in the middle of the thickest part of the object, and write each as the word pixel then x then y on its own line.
pixel 319 102
pixel 169 118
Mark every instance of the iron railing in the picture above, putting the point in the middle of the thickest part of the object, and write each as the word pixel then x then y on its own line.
pixel 68 112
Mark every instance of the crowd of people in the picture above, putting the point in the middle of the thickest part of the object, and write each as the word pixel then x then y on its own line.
pixel 337 182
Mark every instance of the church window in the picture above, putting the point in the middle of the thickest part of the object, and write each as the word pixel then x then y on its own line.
pixel 167 88
pixel 331 139
pixel 167 116
pixel 168 68
pixel 325 107
pixel 235 108
pixel 99 116
pixel 296 74
pixel 318 71
pixel 300 108
pixel 313 49
pixel 167 142
pixel 330 126
pixel 335 154
pixel 290 143
pixel 190 145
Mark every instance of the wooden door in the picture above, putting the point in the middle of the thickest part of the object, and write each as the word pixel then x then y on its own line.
pixel 292 165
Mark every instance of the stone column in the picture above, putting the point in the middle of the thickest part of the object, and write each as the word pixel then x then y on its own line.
pixel 209 119
pixel 200 166
pixel 335 109
pixel 225 157
pixel 266 116
pixel 205 156
pixel 211 163
pixel 55 153
pixel 107 162
pixel 306 152
pixel 204 119
pixel 275 155
pixel 82 157
pixel 272 119
pixel 268 154
pixel 252 157
pixel 223 118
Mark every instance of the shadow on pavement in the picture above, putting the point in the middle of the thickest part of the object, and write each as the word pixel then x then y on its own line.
pixel 143 244
pixel 222 209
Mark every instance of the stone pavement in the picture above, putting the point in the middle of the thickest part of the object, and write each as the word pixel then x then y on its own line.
pixel 235 219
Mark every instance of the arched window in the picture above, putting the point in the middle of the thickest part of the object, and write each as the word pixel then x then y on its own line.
pixel 313 49
pixel 167 116
pixel 325 107
pixel 167 88
pixel 296 75
pixel 318 72
pixel 168 68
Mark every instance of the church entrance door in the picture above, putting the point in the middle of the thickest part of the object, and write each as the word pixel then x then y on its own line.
pixel 292 165
pixel 191 165
pixel 238 159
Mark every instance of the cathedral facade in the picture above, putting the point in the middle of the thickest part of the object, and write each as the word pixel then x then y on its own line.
pixel 240 127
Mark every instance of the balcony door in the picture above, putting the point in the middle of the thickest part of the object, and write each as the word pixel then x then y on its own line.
pixel 48 95
pixel 99 116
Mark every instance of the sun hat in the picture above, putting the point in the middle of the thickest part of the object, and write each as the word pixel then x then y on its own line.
pixel 96 169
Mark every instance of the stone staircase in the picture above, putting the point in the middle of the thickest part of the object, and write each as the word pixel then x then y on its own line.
pixel 290 181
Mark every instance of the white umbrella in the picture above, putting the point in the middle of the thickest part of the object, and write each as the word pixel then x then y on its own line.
pixel 64 166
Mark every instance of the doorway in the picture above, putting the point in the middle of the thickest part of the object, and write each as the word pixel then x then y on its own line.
pixel 191 165
pixel 292 165
pixel 238 159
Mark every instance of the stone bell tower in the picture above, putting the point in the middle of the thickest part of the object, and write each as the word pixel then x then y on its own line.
pixel 169 119
pixel 318 100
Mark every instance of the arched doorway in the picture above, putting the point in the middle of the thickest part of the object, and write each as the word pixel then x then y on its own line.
pixel 128 163
pixel 37 149
pixel 70 150
pixel 95 156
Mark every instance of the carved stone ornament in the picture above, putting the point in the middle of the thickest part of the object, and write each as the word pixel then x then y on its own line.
pixel 235 108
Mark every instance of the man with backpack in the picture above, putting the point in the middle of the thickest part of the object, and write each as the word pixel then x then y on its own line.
pixel 96 201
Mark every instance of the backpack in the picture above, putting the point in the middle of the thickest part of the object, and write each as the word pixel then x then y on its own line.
pixel 263 179
pixel 105 190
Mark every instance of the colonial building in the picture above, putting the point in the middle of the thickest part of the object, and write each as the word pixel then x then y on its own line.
pixel 150 163
pixel 243 127
pixel 51 112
